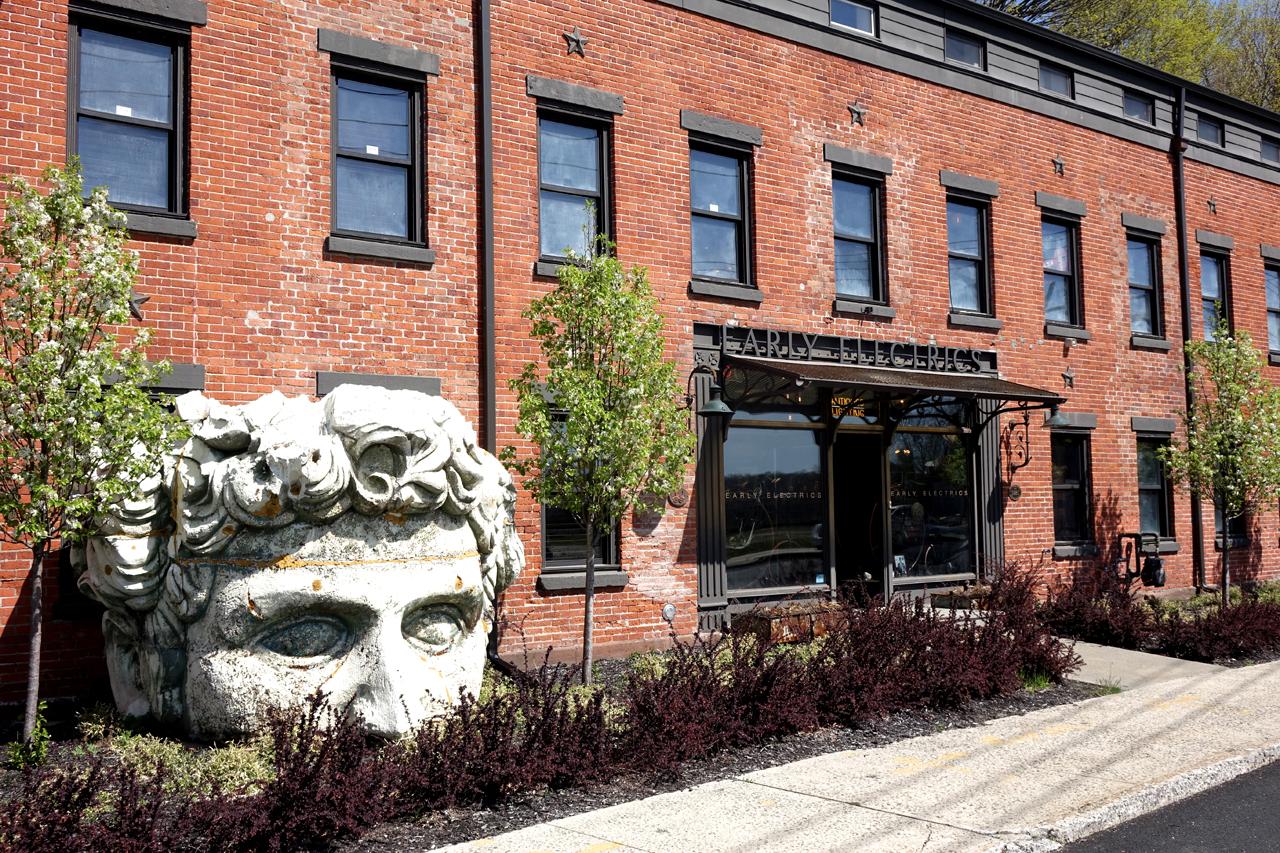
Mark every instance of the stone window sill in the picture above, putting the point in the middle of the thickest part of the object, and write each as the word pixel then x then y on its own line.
pixel 1273 358
pixel 361 247
pixel 161 226
pixel 740 292
pixel 873 310
pixel 1071 550
pixel 961 320
pixel 1149 343
pixel 1061 330
pixel 1168 546
pixel 561 580
pixel 547 268
pixel 1237 542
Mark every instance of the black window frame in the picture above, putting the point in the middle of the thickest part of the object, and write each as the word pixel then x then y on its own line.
pixel 1163 487
pixel 1084 485
pixel 1219 139
pixel 745 155
pixel 1075 279
pixel 879 224
pixel 1273 346
pixel 1238 529
pixel 1274 144
pixel 1147 100
pixel 603 125
pixel 1224 286
pixel 875 17
pixel 1053 67
pixel 610 547
pixel 986 281
pixel 951 33
pixel 1157 283
pixel 349 68
pixel 178 38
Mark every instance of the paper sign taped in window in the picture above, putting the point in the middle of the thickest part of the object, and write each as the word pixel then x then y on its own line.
pixel 371 149
pixel 122 110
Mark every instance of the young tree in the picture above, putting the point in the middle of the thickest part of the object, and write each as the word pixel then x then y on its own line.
pixel 77 430
pixel 1231 450
pixel 603 408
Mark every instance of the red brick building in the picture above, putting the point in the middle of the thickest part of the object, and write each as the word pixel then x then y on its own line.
pixel 894 234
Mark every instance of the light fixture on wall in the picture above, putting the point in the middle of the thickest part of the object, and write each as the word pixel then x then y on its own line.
pixel 715 409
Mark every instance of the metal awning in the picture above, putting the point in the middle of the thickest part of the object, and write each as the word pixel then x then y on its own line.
pixel 888 380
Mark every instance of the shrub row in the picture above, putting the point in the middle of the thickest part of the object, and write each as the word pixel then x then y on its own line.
pixel 330 781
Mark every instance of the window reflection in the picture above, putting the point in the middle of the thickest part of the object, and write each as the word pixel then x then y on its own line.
pixel 930 495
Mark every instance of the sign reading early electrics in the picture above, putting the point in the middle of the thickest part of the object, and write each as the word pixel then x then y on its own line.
pixel 835 349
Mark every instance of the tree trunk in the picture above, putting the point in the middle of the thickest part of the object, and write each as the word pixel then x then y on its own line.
pixel 1226 562
pixel 589 603
pixel 33 648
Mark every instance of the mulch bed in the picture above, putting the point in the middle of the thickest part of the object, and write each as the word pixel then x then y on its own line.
pixel 466 825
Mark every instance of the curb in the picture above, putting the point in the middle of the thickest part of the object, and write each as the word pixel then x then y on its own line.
pixel 1141 802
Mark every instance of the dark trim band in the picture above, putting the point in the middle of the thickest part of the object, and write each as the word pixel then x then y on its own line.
pixel 1137 222
pixel 182 377
pixel 1271 253
pixel 358 47
pixel 854 159
pixel 968 183
pixel 1059 204
pixel 544 88
pixel 192 12
pixel 327 380
pixel 740 292
pixel 1058 330
pixel 361 248
pixel 961 320
pixel 1214 240
pixel 1160 425
pixel 874 310
pixel 165 226
pixel 1076 420
pixel 720 127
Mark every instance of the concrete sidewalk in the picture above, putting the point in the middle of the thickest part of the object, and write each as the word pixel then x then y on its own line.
pixel 1023 783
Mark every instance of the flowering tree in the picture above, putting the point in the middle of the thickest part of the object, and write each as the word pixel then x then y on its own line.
pixel 77 429
pixel 1232 446
pixel 603 407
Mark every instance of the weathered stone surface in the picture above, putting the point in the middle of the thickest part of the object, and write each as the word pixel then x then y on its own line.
pixel 354 545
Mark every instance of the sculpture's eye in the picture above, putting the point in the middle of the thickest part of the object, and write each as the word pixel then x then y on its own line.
pixel 435 629
pixel 314 636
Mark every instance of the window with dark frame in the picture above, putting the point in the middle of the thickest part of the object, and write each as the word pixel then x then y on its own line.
pixel 1272 274
pixel 1060 244
pixel 1140 107
pixel 573 184
pixel 858 216
pixel 720 213
pixel 1072 513
pixel 1209 129
pixel 854 16
pixel 1238 529
pixel 564 546
pixel 968 265
pixel 1270 150
pixel 377 155
pixel 1155 491
pixel 1214 294
pixel 1056 79
pixel 128 125
pixel 1145 314
pixel 965 49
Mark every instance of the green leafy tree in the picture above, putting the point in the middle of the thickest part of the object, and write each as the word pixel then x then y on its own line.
pixel 1231 449
pixel 602 409
pixel 77 429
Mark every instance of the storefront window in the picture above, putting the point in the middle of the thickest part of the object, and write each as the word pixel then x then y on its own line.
pixel 774 508
pixel 931 504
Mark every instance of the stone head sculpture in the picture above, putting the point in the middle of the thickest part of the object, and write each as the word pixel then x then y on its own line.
pixel 354 545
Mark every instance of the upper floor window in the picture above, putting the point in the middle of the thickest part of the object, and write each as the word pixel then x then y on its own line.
pixel 572 185
pixel 1056 79
pixel 128 89
pixel 1140 107
pixel 1273 308
pixel 1213 291
pixel 720 213
pixel 965 49
pixel 1209 130
pixel 1144 287
pixel 1155 492
pixel 1072 516
pixel 377 163
pixel 859 238
pixel 968 269
pixel 1270 150
pixel 1059 240
pixel 855 16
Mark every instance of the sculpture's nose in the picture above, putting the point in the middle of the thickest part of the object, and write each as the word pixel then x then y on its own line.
pixel 389 697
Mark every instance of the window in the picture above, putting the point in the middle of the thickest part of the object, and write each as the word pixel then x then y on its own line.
pixel 1144 287
pixel 377 167
pixel 573 183
pixel 1273 307
pixel 855 16
pixel 719 209
pixel 1155 492
pixel 1060 240
pixel 564 541
pixel 965 49
pixel 1140 107
pixel 859 238
pixel 1209 130
pixel 127 125
pixel 1213 291
pixel 1238 529
pixel 1072 519
pixel 1055 79
pixel 1270 150
pixel 967 267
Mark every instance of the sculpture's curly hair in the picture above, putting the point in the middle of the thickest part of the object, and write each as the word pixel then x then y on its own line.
pixel 274 462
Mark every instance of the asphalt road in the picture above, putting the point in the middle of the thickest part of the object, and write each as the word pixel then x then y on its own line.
pixel 1242 816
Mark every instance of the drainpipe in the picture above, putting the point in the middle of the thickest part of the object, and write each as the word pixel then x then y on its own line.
pixel 1177 149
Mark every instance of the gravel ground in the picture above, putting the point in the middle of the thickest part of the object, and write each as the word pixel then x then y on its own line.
pixel 465 825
